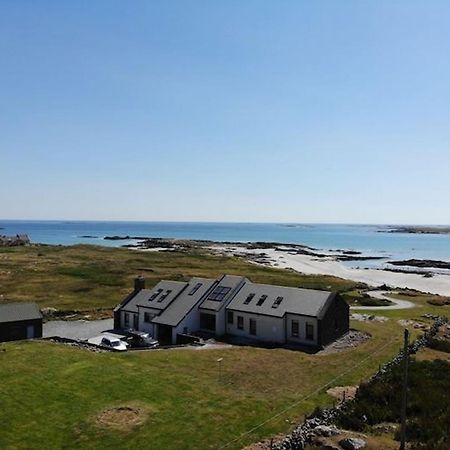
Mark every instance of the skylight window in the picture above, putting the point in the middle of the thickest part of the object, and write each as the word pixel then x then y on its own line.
pixel 249 299
pixel 195 288
pixel 219 293
pixel 165 295
pixel 277 302
pixel 154 295
pixel 261 300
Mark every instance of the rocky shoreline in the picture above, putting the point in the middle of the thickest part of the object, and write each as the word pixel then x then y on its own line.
pixel 423 263
pixel 147 243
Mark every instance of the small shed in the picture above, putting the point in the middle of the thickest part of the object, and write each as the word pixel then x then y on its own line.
pixel 20 321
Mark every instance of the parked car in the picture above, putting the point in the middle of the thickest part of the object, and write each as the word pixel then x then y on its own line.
pixel 115 343
pixel 140 339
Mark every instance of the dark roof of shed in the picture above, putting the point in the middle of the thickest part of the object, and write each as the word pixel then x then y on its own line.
pixel 15 312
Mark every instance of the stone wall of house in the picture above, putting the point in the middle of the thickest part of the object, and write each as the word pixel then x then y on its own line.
pixel 319 424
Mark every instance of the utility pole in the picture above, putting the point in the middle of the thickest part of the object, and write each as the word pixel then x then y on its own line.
pixel 404 390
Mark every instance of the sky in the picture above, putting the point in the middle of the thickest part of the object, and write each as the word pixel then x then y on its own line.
pixel 236 110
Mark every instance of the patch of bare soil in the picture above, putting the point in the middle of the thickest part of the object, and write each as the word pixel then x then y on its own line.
pixel 123 418
pixel 342 393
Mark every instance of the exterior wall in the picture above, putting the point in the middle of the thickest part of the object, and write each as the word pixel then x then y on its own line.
pixel 220 322
pixel 130 320
pixel 335 322
pixel 302 321
pixel 268 329
pixel 212 313
pixel 191 322
pixel 144 326
pixel 14 331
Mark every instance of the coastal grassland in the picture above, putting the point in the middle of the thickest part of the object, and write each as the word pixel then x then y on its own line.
pixel 86 277
pixel 51 394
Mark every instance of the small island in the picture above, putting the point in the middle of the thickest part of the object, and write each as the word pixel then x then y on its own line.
pixel 418 229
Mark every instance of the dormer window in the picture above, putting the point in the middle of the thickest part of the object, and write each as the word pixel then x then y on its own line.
pixel 154 295
pixel 249 298
pixel 219 293
pixel 165 295
pixel 195 288
pixel 261 300
pixel 277 302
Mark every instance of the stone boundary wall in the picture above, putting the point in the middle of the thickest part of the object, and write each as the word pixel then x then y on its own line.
pixel 304 433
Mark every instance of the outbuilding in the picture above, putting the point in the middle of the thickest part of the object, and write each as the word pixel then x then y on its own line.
pixel 20 321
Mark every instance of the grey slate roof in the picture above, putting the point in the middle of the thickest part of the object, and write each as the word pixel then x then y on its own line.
pixel 184 303
pixel 306 302
pixel 14 312
pixel 142 298
pixel 227 281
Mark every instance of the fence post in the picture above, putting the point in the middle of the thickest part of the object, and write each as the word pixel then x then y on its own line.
pixel 404 390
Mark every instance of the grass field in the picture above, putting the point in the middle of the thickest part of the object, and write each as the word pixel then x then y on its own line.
pixel 51 395
pixel 86 277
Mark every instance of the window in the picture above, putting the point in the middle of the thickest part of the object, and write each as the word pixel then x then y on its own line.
pixel 310 331
pixel 294 328
pixel 154 295
pixel 165 295
pixel 219 293
pixel 252 326
pixel 208 322
pixel 148 317
pixel 195 288
pixel 248 299
pixel 230 317
pixel 126 320
pixel 261 300
pixel 277 302
pixel 240 323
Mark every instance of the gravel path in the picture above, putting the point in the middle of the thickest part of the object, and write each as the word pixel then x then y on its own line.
pixel 398 304
pixel 76 329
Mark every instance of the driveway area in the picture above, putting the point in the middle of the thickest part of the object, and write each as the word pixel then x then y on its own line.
pixel 77 329
pixel 397 304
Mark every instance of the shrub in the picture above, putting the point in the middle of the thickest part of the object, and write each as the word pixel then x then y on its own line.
pixel 428 411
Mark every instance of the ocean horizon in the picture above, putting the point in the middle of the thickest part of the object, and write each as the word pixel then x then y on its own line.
pixel 369 239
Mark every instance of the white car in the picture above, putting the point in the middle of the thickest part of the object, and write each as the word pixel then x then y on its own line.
pixel 115 343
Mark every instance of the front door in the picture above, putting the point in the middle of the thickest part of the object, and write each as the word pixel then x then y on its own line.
pixel 165 334
pixel 30 331
pixel 136 322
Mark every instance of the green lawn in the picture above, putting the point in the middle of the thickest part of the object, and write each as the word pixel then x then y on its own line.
pixel 50 394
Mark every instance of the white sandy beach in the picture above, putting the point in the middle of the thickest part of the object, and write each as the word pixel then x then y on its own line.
pixel 438 284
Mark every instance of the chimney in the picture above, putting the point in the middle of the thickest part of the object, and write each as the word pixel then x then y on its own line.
pixel 139 283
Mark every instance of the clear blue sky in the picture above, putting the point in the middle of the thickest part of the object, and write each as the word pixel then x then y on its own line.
pixel 236 110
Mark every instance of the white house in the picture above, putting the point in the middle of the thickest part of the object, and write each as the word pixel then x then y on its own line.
pixel 232 306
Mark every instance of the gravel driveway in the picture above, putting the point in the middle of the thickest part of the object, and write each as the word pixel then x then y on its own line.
pixel 76 329
pixel 397 304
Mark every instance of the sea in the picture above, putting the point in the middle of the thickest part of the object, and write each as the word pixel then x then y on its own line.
pixel 371 240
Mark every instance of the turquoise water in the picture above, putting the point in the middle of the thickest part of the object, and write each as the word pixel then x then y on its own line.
pixel 364 238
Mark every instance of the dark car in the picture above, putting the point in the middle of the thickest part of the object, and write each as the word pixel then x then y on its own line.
pixel 140 339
